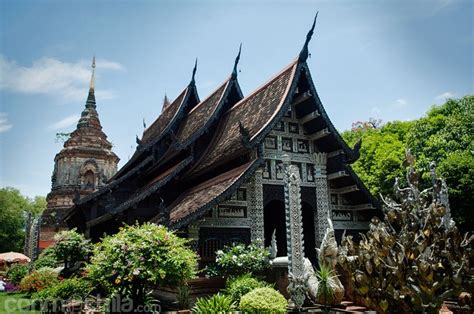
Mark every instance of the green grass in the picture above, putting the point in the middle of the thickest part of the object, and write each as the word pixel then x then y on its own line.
pixel 14 303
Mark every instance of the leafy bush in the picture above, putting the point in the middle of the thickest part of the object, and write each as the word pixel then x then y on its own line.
pixel 242 259
pixel 38 280
pixel 263 300
pixel 237 287
pixel 71 247
pixel 218 303
pixel 72 288
pixel 16 273
pixel 138 257
pixel 47 258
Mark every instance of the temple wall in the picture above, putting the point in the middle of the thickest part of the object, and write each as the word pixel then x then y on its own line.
pixel 245 209
pixel 68 170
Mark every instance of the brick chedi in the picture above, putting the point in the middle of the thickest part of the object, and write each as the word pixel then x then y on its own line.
pixel 85 164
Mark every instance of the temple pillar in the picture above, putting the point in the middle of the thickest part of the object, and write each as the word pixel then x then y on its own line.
pixel 294 234
pixel 255 207
pixel 323 209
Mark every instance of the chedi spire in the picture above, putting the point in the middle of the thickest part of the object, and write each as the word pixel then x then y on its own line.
pixel 89 116
pixel 91 97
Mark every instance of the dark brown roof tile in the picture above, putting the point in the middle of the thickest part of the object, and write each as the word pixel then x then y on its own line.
pixel 200 114
pixel 159 125
pixel 196 198
pixel 254 112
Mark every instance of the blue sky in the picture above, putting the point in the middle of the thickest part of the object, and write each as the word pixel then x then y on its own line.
pixel 385 59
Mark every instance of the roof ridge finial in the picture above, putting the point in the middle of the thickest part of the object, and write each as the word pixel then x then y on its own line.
pixel 194 71
pixel 237 59
pixel 166 103
pixel 92 85
pixel 304 52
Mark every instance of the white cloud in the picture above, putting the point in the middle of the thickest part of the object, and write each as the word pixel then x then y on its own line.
pixel 50 76
pixel 109 65
pixel 440 5
pixel 444 3
pixel 5 125
pixel 401 102
pixel 66 122
pixel 444 96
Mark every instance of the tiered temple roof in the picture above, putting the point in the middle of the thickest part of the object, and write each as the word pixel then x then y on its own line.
pixel 196 154
pixel 254 114
pixel 201 197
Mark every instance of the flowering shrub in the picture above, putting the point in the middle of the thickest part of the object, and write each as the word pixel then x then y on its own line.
pixel 138 257
pixel 47 258
pixel 16 273
pixel 263 300
pixel 71 247
pixel 211 270
pixel 242 259
pixel 237 287
pixel 38 280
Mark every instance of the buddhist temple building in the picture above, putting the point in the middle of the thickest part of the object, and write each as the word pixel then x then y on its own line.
pixel 214 169
pixel 83 166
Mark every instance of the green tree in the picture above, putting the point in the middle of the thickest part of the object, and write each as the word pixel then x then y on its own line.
pixel 14 208
pixel 458 171
pixel 381 155
pixel 444 135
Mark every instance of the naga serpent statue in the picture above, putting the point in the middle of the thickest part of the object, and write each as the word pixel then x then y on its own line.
pixel 327 259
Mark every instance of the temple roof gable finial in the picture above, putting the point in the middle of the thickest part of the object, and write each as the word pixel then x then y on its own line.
pixel 166 103
pixel 234 72
pixel 304 52
pixel 194 72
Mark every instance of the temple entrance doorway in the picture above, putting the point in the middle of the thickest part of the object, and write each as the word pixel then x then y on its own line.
pixel 274 219
pixel 307 213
